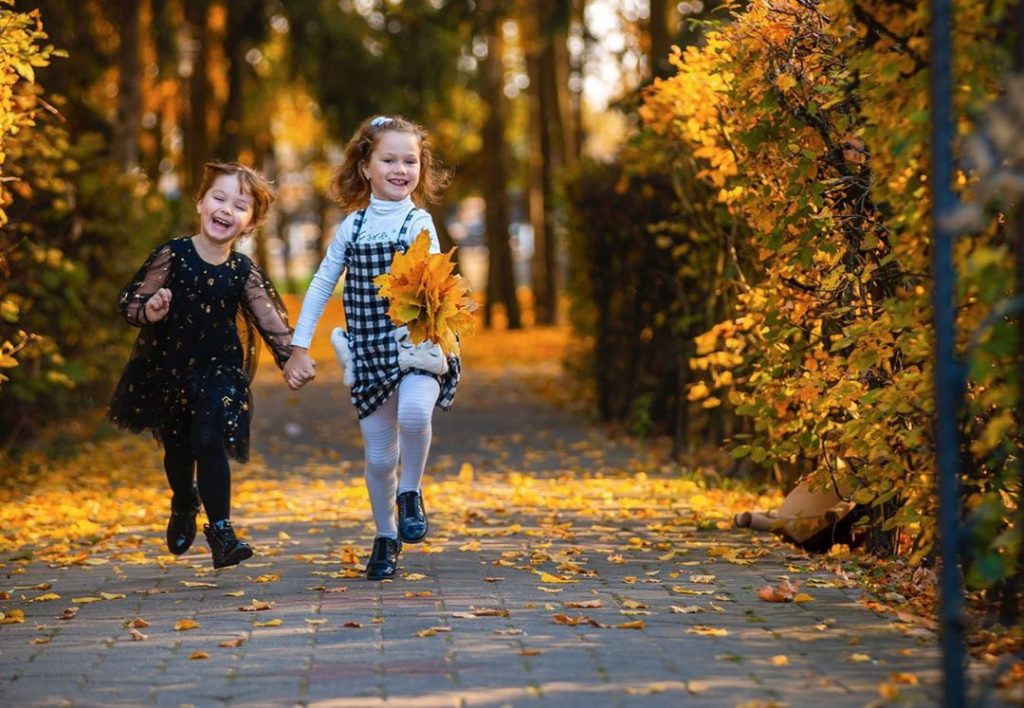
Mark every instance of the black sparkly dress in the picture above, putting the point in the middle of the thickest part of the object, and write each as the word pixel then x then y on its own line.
pixel 201 357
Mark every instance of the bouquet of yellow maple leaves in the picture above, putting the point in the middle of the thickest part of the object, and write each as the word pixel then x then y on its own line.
pixel 425 296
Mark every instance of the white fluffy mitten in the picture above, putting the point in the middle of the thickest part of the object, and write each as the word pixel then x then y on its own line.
pixel 339 340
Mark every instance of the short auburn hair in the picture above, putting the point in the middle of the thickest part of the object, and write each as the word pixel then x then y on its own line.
pixel 352 191
pixel 252 182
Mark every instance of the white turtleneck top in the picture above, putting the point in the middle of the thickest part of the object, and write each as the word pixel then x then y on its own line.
pixel 382 222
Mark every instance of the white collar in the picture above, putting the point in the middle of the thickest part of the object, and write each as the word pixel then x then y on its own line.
pixel 387 207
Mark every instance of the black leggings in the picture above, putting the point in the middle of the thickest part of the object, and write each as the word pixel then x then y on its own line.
pixel 198 445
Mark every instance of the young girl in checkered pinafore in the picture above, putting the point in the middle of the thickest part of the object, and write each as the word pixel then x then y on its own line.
pixel 388 174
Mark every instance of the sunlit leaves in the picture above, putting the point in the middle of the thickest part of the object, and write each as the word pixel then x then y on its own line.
pixel 424 294
pixel 829 355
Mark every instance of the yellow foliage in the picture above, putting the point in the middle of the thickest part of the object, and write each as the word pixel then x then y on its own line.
pixel 812 128
pixel 425 295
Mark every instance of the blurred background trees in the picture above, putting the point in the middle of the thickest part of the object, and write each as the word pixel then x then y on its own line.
pixel 107 137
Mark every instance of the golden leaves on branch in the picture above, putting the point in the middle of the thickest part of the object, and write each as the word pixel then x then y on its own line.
pixel 426 296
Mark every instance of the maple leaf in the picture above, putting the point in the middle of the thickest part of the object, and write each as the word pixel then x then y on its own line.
pixel 426 296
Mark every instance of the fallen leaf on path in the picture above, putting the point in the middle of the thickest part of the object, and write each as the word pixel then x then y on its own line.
pixel 198 584
pixel 196 655
pixel 509 631
pixel 352 625
pixel 554 579
pixel 705 631
pixel 780 660
pixel 68 613
pixel 257 606
pixel 413 577
pixel 47 597
pixel 113 595
pixel 185 625
pixel 86 600
pixel 267 578
pixel 702 579
pixel 635 624
pixel 138 623
pixel 268 623
pixel 529 652
pixel 784 592
pixel 39 640
pixel 858 658
pixel 235 593
pixel 137 636
pixel 231 643
pixel 686 609
pixel 582 604
pixel 431 631
pixel 489 612
pixel 574 621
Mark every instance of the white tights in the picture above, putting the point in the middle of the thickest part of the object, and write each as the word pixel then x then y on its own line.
pixel 402 423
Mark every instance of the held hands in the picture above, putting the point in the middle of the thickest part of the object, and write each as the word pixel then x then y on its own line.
pixel 300 369
pixel 158 305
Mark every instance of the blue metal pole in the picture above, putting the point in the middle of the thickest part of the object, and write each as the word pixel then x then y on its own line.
pixel 948 377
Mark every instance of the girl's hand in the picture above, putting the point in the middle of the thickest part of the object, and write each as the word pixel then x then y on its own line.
pixel 158 305
pixel 300 369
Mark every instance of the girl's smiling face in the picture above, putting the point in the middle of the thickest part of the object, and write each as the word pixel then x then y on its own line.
pixel 393 169
pixel 226 210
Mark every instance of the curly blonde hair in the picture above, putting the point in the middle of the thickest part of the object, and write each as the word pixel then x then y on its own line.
pixel 252 182
pixel 350 188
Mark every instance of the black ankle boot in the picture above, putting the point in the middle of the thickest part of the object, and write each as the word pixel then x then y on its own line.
pixel 181 527
pixel 412 517
pixel 225 546
pixel 383 559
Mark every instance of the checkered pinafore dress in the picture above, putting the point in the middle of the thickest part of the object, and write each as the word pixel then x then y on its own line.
pixel 373 345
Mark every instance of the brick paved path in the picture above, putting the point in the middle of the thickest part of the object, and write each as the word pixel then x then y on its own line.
pixel 470 622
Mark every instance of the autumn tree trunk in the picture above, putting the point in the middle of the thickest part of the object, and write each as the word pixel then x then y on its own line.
pixel 563 117
pixel 129 90
pixel 197 144
pixel 500 281
pixel 237 46
pixel 660 36
pixel 540 74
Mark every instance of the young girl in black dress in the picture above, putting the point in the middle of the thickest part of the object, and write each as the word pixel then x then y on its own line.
pixel 199 304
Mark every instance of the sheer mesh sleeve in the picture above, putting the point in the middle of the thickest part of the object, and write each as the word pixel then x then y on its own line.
pixel 266 312
pixel 151 277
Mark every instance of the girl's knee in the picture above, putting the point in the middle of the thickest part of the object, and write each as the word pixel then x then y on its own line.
pixel 413 420
pixel 382 467
pixel 206 442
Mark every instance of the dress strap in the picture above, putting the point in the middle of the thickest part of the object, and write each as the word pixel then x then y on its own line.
pixel 405 224
pixel 357 226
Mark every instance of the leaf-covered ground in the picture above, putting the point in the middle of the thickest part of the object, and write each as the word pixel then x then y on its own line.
pixel 610 535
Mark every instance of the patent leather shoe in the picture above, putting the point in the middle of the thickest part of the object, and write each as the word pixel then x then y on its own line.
pixel 181 526
pixel 412 517
pixel 226 547
pixel 383 558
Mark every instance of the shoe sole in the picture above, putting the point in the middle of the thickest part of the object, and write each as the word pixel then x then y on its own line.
pixel 182 551
pixel 420 539
pixel 235 558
